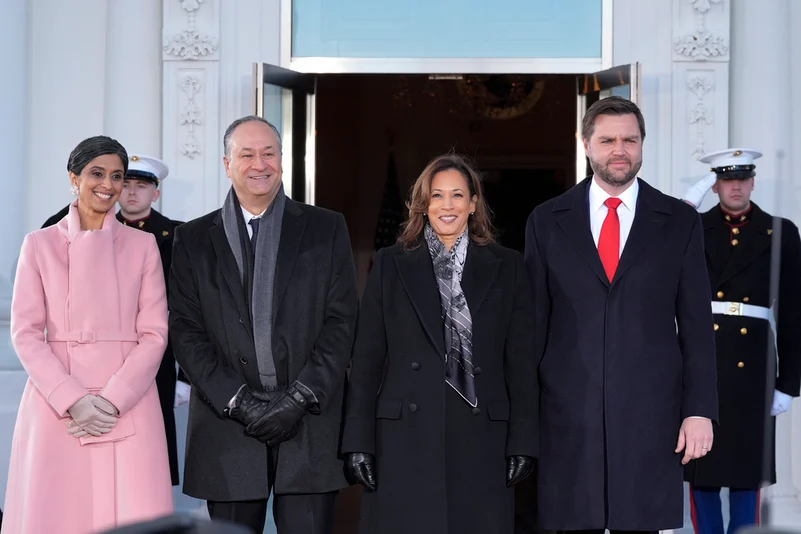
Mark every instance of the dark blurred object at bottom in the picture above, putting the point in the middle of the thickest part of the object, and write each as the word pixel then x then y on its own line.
pixel 181 524
pixel 767 530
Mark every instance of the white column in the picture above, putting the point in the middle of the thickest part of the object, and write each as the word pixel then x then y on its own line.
pixel 760 118
pixel 701 60
pixel 792 190
pixel 133 75
pixel 13 107
pixel 191 103
pixel 760 95
pixel 65 102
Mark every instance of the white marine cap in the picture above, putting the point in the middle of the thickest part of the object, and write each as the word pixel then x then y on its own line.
pixel 146 168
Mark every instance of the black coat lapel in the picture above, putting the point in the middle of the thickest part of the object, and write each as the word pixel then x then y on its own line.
pixel 230 271
pixel 751 245
pixel 650 215
pixel 416 271
pixel 480 271
pixel 574 219
pixel 292 227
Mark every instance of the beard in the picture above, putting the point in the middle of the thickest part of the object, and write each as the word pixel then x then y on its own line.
pixel 615 178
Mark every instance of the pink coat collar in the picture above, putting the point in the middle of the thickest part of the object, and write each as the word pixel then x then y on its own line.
pixel 70 226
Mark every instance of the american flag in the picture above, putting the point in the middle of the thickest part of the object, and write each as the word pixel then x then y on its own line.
pixel 392 214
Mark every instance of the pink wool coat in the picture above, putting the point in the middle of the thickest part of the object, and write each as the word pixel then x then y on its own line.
pixel 100 296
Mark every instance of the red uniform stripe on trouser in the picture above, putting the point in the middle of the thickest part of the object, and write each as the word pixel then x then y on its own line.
pixel 757 506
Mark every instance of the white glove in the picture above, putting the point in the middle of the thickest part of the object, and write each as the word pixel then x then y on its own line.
pixel 90 418
pixel 781 403
pixel 182 390
pixel 696 193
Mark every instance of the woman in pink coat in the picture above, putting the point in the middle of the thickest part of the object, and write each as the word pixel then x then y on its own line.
pixel 89 323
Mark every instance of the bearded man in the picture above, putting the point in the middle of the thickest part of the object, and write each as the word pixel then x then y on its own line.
pixel 624 340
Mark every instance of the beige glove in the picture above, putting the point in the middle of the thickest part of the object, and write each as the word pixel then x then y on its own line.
pixel 74 430
pixel 105 406
pixel 90 418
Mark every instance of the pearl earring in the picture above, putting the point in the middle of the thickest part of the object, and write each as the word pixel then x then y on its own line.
pixel 74 190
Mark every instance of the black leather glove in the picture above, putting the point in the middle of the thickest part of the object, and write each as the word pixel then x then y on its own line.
pixel 282 419
pixel 250 405
pixel 518 468
pixel 362 467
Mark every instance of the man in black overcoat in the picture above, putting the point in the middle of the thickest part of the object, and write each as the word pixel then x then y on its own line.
pixel 739 238
pixel 624 336
pixel 263 304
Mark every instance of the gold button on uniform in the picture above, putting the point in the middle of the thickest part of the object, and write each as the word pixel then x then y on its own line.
pixel 735 231
pixel 743 331
pixel 745 299
pixel 734 242
pixel 717 326
pixel 720 294
pixel 740 365
pixel 728 217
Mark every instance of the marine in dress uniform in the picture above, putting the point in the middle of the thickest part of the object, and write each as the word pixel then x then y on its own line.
pixel 738 236
pixel 140 190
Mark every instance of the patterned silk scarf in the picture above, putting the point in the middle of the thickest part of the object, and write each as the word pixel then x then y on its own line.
pixel 448 268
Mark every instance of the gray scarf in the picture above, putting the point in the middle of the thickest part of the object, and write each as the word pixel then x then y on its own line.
pixel 448 269
pixel 257 273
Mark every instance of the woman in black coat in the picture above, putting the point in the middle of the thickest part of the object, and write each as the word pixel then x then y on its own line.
pixel 442 404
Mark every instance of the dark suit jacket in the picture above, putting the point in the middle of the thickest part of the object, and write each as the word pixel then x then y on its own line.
pixel 432 448
pixel 616 378
pixel 746 353
pixel 315 306
pixel 162 229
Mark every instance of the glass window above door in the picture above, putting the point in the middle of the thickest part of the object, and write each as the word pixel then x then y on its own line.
pixel 447 28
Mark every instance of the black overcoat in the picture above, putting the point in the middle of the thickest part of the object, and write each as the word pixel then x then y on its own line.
pixel 441 464
pixel 617 378
pixel 314 314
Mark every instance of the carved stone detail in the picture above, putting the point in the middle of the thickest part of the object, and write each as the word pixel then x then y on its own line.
pixel 191 43
pixel 701 44
pixel 191 116
pixel 700 115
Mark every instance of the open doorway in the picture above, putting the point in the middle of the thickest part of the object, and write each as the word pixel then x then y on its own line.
pixel 518 129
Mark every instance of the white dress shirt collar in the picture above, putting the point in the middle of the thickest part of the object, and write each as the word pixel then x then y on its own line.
pixel 628 197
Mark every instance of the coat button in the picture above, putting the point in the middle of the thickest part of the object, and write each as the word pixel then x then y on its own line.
pixel 477 371
pixel 476 411
pixel 243 360
pixel 746 299
pixel 743 331
pixel 720 294
pixel 735 231
pixel 734 242
pixel 740 364
pixel 717 326
pixel 412 408
pixel 415 366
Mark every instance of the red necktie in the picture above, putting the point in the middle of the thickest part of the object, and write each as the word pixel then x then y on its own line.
pixel 609 241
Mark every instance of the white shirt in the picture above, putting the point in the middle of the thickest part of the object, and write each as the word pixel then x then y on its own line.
pixel 247 215
pixel 625 211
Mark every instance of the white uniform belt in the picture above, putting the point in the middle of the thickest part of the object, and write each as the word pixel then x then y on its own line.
pixel 92 336
pixel 741 309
